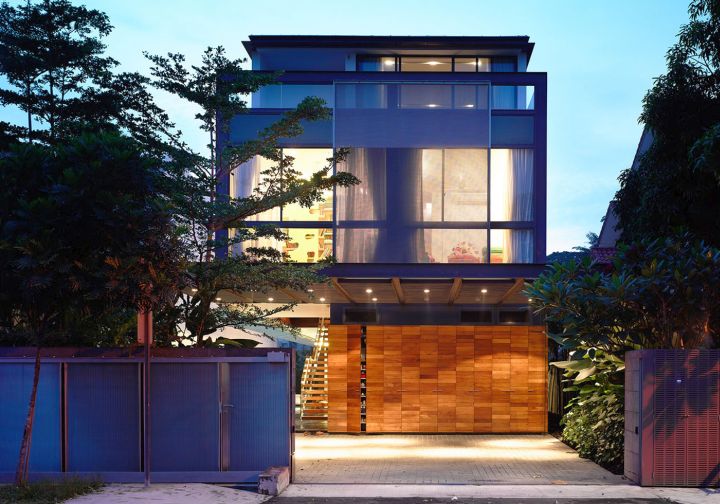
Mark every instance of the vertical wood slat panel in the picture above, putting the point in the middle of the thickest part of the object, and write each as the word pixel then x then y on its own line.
pixel 428 379
pixel 337 378
pixel 354 334
pixel 375 360
pixel 410 397
pixel 447 378
pixel 501 379
pixel 482 393
pixel 465 385
pixel 392 361
pixel 519 390
pixel 537 380
pixel 441 379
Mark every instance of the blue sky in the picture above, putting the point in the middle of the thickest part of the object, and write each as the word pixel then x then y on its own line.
pixel 600 55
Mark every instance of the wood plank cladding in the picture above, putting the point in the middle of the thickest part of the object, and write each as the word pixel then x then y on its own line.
pixel 439 379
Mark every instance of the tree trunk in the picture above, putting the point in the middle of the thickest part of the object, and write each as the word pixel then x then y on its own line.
pixel 24 459
pixel 29 112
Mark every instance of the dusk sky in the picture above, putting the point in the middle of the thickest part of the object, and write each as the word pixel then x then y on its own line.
pixel 600 56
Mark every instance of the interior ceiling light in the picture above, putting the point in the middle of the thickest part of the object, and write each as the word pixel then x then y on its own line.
pixel 311 290
pixel 432 105
pixel 218 299
pixel 322 300
pixel 433 63
pixel 483 291
pixel 271 299
pixel 389 62
pixel 469 105
pixel 369 291
pixel 426 291
pixel 194 289
pixel 374 299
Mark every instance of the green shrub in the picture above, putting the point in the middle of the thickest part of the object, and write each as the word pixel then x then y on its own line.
pixel 594 425
pixel 48 492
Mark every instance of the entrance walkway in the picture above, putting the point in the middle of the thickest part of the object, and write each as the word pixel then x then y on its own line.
pixel 443 459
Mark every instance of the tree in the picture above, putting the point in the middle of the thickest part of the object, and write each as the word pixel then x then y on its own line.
pixel 52 56
pixel 82 230
pixel 677 183
pixel 661 293
pixel 205 217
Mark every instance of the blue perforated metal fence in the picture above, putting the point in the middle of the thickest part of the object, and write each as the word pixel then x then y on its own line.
pixel 216 415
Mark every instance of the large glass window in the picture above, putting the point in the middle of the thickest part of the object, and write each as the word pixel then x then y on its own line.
pixel 511 246
pixel 253 175
pixel 454 185
pixel 307 162
pixel 304 245
pixel 511 185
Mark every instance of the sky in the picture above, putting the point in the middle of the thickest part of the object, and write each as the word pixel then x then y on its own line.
pixel 600 56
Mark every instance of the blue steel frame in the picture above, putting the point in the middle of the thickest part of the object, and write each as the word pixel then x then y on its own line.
pixel 70 356
pixel 423 270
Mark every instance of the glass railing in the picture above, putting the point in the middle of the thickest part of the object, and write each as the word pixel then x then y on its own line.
pixel 290 95
pixel 513 97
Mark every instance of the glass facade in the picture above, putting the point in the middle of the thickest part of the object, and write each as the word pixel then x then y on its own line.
pixel 413 205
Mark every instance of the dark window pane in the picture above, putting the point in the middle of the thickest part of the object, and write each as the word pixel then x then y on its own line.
pixel 504 64
pixel 513 316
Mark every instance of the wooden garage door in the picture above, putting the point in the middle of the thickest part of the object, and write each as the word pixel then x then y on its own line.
pixel 440 379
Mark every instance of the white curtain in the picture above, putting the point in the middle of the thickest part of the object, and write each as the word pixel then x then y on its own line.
pixel 512 197
pixel 365 201
pixel 520 185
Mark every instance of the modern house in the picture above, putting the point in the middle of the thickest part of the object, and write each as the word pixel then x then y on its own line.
pixel 427 326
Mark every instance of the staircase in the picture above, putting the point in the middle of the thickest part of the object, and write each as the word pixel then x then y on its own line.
pixel 314 382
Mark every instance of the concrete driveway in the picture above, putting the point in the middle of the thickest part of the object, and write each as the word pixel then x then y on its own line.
pixel 443 459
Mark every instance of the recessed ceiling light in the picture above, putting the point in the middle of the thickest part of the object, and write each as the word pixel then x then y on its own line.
pixel 369 291
pixel 469 105
pixel 271 299
pixel 389 61
pixel 432 105
pixel 374 299
pixel 483 291
pixel 311 290
pixel 433 63
pixel 529 300
pixel 426 291
pixel 194 289
pixel 218 299
pixel 322 300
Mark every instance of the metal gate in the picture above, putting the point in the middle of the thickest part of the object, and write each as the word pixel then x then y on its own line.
pixel 672 417
pixel 217 415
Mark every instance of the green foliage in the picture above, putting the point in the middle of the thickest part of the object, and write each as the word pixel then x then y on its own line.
pixel 662 293
pixel 211 223
pixel 84 239
pixel 52 58
pixel 48 492
pixel 677 183
pixel 594 426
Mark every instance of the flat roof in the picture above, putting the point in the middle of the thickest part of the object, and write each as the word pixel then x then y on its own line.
pixel 521 42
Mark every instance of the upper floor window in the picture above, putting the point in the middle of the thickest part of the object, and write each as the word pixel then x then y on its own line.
pixel 372 63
